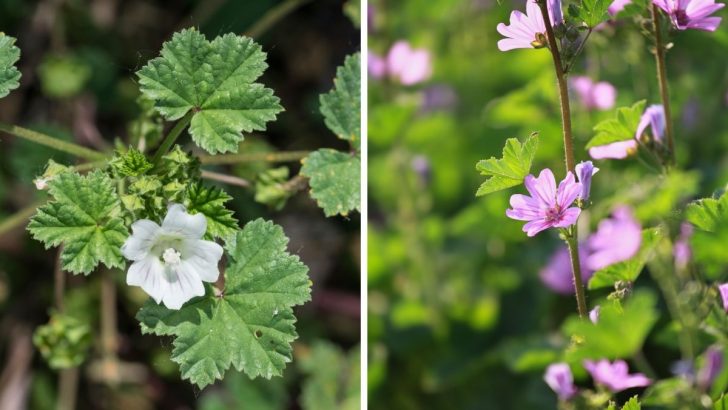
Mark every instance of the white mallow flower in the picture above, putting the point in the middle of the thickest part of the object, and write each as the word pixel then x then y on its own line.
pixel 171 261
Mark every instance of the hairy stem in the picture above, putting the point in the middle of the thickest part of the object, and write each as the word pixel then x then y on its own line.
pixel 67 389
pixel 109 334
pixel 172 137
pixel 225 178
pixel 282 156
pixel 273 16
pixel 51 142
pixel 573 246
pixel 662 80
pixel 59 282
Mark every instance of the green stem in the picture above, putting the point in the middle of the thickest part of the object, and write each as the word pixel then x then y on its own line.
pixel 51 142
pixel 18 218
pixel 563 89
pixel 662 81
pixel 225 178
pixel 172 137
pixel 572 243
pixel 578 50
pixel 273 16
pixel 283 156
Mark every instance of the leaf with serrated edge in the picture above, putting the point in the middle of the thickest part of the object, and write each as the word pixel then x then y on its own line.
pixel 215 80
pixel 210 201
pixel 84 217
pixel 511 168
pixel 251 325
pixel 632 404
pixel 341 107
pixel 706 213
pixel 620 128
pixel 9 74
pixel 334 179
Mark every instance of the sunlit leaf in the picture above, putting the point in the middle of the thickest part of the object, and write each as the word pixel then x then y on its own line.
pixel 511 169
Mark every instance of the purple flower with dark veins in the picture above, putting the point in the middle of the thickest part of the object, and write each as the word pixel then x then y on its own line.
pixel 558 376
pixel 584 172
pixel 615 376
pixel 547 207
pixel 723 288
pixel 711 368
pixel 696 14
pixel 557 274
pixel 528 30
pixel 617 239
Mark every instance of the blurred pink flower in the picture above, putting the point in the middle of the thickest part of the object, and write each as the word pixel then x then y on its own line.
pixel 682 250
pixel 594 96
pixel 547 207
pixel 654 117
pixel 594 314
pixel 558 376
pixel 528 30
pixel 376 65
pixel 617 6
pixel 617 239
pixel 686 14
pixel 615 150
pixel 723 288
pixel 615 376
pixel 557 276
pixel 584 172
pixel 407 65
pixel 711 367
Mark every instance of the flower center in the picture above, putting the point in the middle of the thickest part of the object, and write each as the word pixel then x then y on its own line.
pixel 171 256
pixel 682 17
pixel 553 214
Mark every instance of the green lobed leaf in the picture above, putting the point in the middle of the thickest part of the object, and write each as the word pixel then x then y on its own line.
pixel 628 270
pixel 341 107
pixel 721 403
pixel 335 180
pixel 250 325
pixel 333 381
pixel 131 163
pixel 9 74
pixel 632 404
pixel 210 201
pixel 63 341
pixel 620 128
pixel 591 12
pixel 84 217
pixel 216 81
pixel 707 213
pixel 710 216
pixel 619 333
pixel 511 169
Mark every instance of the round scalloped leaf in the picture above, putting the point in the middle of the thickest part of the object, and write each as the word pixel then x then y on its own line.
pixel 9 74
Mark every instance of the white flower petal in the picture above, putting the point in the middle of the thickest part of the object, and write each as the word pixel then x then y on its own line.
pixel 149 274
pixel 183 284
pixel 203 256
pixel 138 244
pixel 180 222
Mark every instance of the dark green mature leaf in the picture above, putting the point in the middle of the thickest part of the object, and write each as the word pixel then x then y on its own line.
pixel 620 128
pixel 619 333
pixel 511 169
pixel 341 107
pixel 9 55
pixel 630 269
pixel 335 385
pixel 250 325
pixel 335 180
pixel 84 217
pixel 707 213
pixel 210 201
pixel 591 12
pixel 216 81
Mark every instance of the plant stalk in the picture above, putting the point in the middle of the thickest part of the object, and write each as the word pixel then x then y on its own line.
pixel 225 178
pixel 172 137
pixel 662 81
pixel 573 246
pixel 109 334
pixel 282 156
pixel 52 142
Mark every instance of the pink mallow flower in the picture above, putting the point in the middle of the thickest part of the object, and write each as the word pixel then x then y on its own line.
pixel 557 274
pixel 408 65
pixel 558 376
pixel 528 30
pixel 376 66
pixel 617 6
pixel 712 366
pixel 617 239
pixel 584 172
pixel 686 14
pixel 615 376
pixel 654 117
pixel 594 96
pixel 547 207
pixel 723 288
pixel 681 249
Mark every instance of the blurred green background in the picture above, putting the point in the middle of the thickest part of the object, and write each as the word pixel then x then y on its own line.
pixel 458 318
pixel 78 63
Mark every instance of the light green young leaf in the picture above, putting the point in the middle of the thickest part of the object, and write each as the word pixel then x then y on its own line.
pixel 619 333
pixel 341 107
pixel 335 385
pixel 511 169
pixel 721 403
pixel 632 404
pixel 630 269
pixel 9 55
pixel 210 201
pixel 216 81
pixel 707 213
pixel 620 128
pixel 84 217
pixel 335 180
pixel 250 324
pixel 591 12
